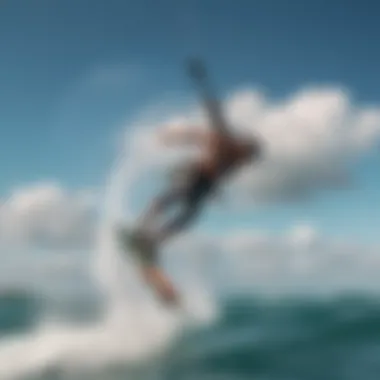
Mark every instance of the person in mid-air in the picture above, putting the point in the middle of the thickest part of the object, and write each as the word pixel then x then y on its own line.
pixel 221 154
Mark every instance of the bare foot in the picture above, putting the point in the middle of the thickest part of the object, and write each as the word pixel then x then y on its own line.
pixel 162 285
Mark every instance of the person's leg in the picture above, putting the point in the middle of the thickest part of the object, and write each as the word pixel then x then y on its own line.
pixel 193 199
pixel 165 289
pixel 179 222
pixel 158 206
pixel 156 278
pixel 147 233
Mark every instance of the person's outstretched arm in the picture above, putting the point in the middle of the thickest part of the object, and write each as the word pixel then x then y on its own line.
pixel 184 136
pixel 198 74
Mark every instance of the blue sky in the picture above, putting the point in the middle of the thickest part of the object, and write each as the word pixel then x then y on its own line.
pixel 61 111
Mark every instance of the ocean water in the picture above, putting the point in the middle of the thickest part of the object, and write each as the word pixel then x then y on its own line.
pixel 251 338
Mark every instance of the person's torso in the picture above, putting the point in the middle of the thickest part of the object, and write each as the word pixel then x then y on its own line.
pixel 221 157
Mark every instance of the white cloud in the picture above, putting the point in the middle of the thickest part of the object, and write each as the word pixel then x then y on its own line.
pixel 303 235
pixel 310 140
pixel 46 214
pixel 297 261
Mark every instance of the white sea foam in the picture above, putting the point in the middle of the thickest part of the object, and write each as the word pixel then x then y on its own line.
pixel 134 326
